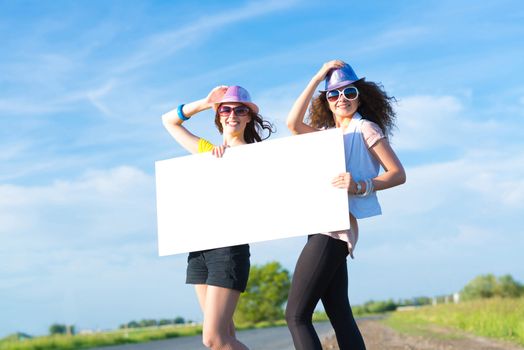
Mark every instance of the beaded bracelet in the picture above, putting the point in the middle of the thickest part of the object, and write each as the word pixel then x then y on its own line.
pixel 180 113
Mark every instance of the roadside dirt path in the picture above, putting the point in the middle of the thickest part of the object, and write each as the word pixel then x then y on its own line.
pixel 380 337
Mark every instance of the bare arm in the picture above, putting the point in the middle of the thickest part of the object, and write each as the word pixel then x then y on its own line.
pixel 295 118
pixel 394 174
pixel 173 123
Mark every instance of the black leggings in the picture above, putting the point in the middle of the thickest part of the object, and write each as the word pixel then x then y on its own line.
pixel 321 274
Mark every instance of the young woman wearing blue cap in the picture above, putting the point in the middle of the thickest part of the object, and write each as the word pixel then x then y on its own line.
pixel 220 274
pixel 364 112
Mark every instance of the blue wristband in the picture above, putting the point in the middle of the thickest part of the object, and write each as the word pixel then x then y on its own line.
pixel 180 113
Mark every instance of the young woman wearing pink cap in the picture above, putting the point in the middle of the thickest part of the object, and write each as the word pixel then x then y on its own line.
pixel 364 112
pixel 220 274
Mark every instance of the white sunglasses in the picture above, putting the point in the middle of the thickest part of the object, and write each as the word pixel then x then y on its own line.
pixel 350 93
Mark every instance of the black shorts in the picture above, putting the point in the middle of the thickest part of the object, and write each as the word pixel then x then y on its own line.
pixel 226 267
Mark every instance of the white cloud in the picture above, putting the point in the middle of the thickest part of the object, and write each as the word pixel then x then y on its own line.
pixel 436 122
pixel 66 285
pixel 480 181
pixel 392 37
pixel 95 96
pixel 167 43
pixel 41 102
pixel 52 71
pixel 100 206
pixel 12 151
pixel 78 245
pixel 427 122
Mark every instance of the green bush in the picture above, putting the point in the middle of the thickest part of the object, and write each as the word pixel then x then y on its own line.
pixel 265 294
pixel 489 286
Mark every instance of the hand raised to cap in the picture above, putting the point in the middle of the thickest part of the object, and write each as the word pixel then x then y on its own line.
pixel 216 94
pixel 327 67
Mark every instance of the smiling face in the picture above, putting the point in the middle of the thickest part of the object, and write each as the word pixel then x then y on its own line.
pixel 346 104
pixel 234 117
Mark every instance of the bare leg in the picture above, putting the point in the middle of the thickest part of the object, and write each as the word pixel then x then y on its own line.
pixel 201 290
pixel 220 304
pixel 231 329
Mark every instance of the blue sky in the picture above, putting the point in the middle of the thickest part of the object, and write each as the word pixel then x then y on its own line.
pixel 83 85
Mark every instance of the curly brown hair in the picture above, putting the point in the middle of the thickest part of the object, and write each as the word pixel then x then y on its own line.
pixel 374 105
pixel 254 129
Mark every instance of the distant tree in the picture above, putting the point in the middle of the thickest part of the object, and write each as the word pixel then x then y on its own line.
pixel 148 323
pixel 164 322
pixel 509 288
pixel 417 301
pixel 61 329
pixel 378 307
pixel 265 294
pixel 482 286
pixel 133 324
pixel 358 310
pixel 179 320
pixel 488 286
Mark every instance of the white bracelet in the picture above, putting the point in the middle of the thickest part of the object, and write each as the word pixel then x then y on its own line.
pixel 359 188
pixel 369 188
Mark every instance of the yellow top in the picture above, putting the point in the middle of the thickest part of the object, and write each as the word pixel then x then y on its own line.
pixel 204 146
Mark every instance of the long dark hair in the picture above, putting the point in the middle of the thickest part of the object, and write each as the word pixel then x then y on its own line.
pixel 254 129
pixel 375 105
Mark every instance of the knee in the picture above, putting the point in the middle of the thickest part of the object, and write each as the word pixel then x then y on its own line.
pixel 212 339
pixel 208 340
pixel 289 314
pixel 293 315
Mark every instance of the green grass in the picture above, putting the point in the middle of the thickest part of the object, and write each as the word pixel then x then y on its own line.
pixel 412 326
pixel 133 335
pixel 320 316
pixel 83 341
pixel 495 318
pixel 263 324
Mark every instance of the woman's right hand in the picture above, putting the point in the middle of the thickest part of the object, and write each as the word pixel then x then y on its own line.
pixel 215 95
pixel 326 67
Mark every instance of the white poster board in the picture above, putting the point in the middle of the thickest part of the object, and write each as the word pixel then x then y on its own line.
pixel 269 190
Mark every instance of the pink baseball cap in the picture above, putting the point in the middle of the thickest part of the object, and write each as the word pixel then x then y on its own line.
pixel 238 94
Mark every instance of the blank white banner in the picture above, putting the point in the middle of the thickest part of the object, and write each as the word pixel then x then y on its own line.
pixel 268 190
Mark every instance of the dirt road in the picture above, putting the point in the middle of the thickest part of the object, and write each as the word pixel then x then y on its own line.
pixel 380 337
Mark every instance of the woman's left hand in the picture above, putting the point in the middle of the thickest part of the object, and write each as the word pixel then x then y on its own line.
pixel 218 151
pixel 343 180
